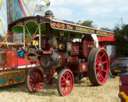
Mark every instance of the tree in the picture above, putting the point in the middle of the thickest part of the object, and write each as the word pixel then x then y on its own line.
pixel 121 34
pixel 105 28
pixel 86 23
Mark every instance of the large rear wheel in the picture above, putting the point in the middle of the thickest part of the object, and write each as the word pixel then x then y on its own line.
pixel 98 66
pixel 35 80
pixel 65 82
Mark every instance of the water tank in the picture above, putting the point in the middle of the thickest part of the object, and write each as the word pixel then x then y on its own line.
pixel 11 59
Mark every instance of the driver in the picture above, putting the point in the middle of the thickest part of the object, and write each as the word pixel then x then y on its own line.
pixel 50 54
pixel 35 41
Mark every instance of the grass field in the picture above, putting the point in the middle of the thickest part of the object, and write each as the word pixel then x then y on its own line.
pixel 82 92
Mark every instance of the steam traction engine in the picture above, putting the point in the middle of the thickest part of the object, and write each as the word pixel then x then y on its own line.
pixel 40 47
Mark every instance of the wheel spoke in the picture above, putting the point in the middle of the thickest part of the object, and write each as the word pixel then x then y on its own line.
pixel 39 86
pixel 67 76
pixel 97 62
pixel 62 83
pixel 104 62
pixel 63 78
pixel 100 76
pixel 99 58
pixel 63 90
pixel 103 55
pixel 98 67
pixel 32 77
pixel 106 71
pixel 68 88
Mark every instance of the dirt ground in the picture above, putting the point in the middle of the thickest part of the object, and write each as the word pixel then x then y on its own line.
pixel 82 92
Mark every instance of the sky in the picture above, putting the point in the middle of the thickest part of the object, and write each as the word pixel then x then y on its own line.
pixel 104 13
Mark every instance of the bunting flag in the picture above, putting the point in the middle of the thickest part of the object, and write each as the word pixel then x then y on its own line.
pixel 21 8
pixel 47 2
pixel 15 9
pixel 3 17
pixel 1 2
pixel 34 7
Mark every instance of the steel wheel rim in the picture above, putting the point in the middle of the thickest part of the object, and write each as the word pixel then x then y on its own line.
pixel 66 83
pixel 102 66
pixel 36 81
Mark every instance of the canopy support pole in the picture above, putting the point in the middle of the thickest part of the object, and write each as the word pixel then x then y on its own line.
pixel 24 36
pixel 39 26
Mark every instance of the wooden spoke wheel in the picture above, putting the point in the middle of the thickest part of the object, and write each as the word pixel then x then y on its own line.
pixel 65 82
pixel 35 82
pixel 98 66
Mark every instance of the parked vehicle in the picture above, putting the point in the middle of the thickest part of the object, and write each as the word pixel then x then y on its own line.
pixel 119 65
pixel 123 87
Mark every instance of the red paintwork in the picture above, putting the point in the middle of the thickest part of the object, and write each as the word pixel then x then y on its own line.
pixel 66 83
pixel 75 48
pixel 73 59
pixel 124 84
pixel 11 59
pixel 107 38
pixel 123 87
pixel 35 81
pixel 21 6
pixel 23 61
pixel 102 67
pixel 86 47
pixel 124 79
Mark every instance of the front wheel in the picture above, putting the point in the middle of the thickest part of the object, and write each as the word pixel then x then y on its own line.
pixel 35 80
pixel 65 82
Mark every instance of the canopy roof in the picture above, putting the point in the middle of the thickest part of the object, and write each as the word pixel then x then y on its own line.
pixel 61 25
